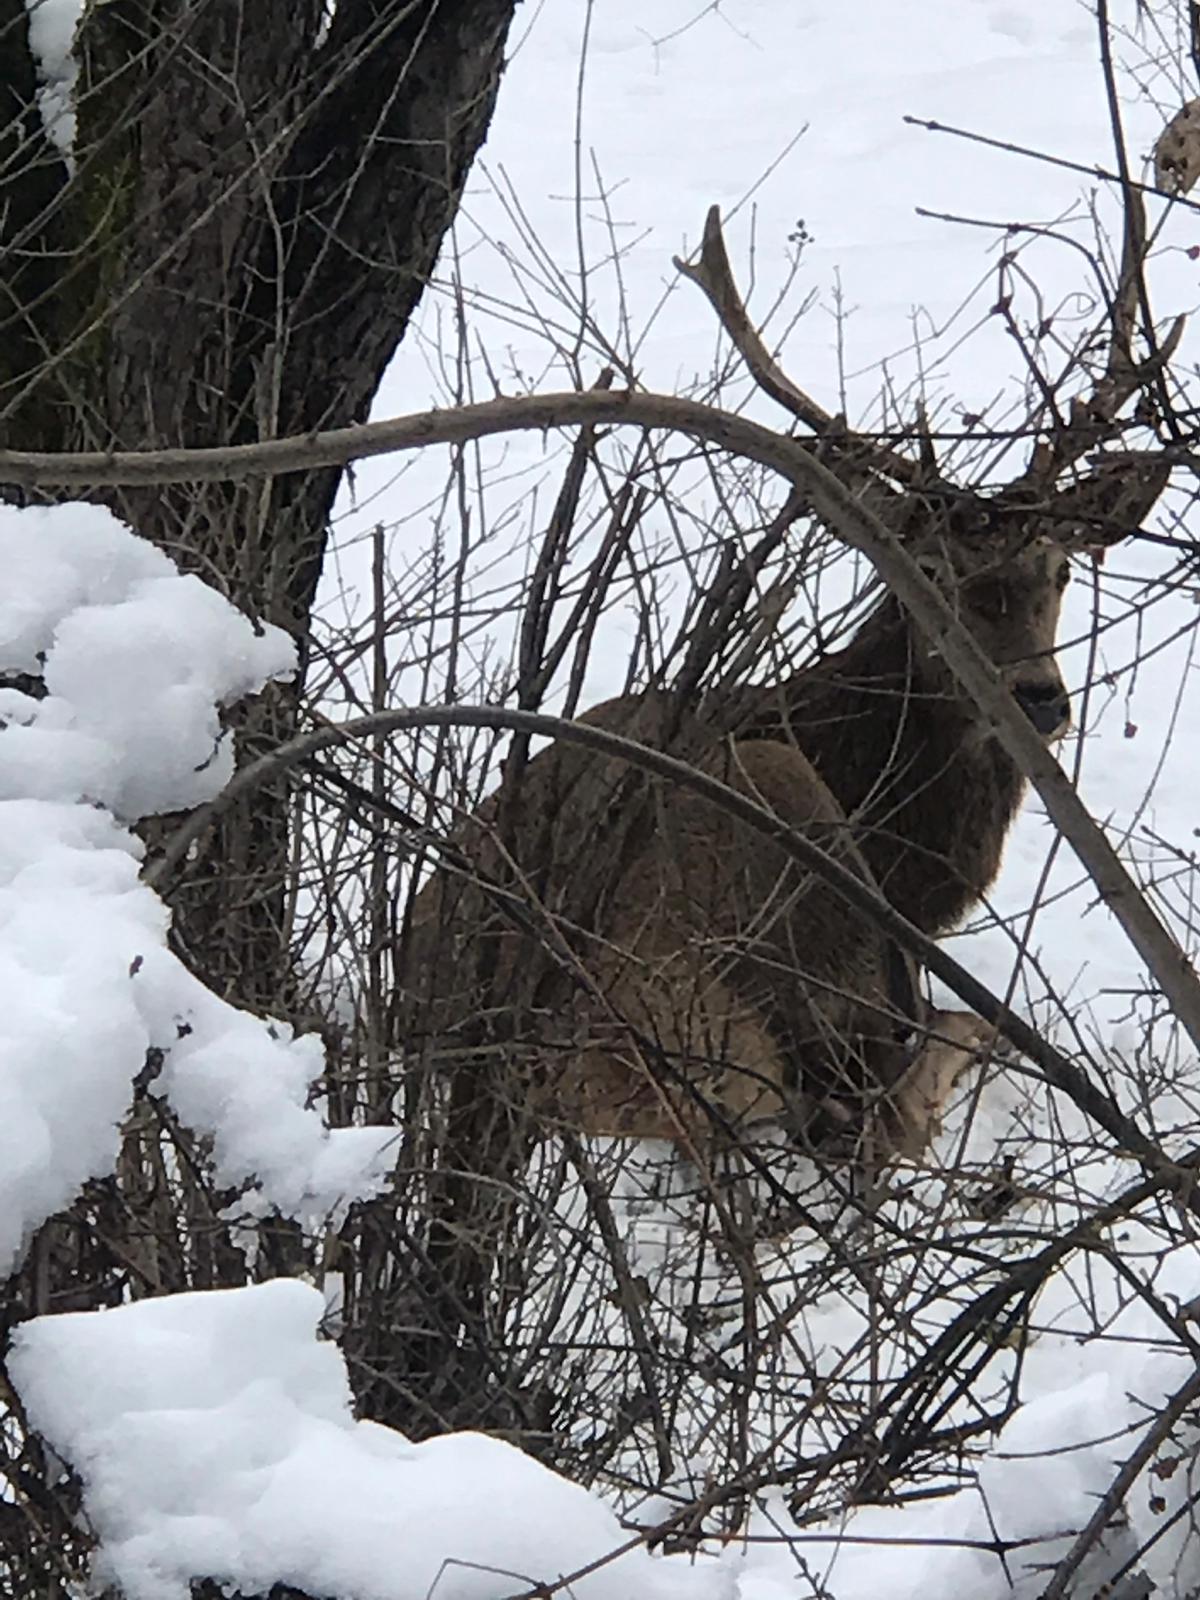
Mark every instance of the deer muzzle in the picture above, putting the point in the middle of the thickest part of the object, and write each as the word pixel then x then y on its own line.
pixel 1047 705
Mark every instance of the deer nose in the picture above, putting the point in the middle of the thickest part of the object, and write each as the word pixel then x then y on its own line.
pixel 1047 706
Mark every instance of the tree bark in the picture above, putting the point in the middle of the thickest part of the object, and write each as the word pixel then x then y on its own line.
pixel 254 206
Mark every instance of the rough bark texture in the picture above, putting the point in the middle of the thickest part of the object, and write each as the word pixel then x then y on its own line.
pixel 255 208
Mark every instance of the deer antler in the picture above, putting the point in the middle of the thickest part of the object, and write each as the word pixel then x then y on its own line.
pixel 714 275
pixel 1092 420
pixel 1111 502
pixel 1102 507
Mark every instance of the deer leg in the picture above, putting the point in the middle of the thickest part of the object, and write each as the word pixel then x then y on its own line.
pixel 954 1041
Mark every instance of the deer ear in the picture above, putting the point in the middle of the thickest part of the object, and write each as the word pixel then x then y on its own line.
pixel 1109 504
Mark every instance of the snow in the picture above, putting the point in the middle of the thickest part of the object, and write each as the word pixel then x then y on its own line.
pixel 135 660
pixel 52 25
pixel 214 1436
pixel 213 1432
pixel 249 1083
pixel 142 736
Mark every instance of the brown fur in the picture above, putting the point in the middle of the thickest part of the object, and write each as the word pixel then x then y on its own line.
pixel 677 972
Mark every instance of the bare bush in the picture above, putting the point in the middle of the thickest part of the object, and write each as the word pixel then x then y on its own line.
pixel 654 1318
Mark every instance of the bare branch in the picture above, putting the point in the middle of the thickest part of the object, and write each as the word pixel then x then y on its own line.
pixel 1091 170
pixel 338 446
pixel 834 503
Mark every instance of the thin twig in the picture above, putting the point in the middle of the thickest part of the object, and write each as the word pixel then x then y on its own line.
pixel 1089 169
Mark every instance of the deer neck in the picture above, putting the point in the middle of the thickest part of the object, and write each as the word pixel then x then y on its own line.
pixel 931 800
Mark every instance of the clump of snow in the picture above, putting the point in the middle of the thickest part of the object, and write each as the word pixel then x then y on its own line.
pixel 249 1083
pixel 52 25
pixel 215 1438
pixel 72 918
pixel 135 659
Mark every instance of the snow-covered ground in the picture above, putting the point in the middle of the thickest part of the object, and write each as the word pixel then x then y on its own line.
pixel 213 1433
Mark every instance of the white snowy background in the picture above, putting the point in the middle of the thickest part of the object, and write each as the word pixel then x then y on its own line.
pixel 213 1432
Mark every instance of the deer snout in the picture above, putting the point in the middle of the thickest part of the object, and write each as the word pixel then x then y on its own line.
pixel 1046 703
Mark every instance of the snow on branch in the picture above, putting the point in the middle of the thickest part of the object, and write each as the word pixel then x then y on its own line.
pixel 52 25
pixel 116 666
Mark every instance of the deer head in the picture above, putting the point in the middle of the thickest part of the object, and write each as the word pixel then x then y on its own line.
pixel 1010 601
pixel 1004 562
pixel 1001 558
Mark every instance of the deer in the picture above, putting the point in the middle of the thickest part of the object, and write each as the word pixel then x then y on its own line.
pixel 682 977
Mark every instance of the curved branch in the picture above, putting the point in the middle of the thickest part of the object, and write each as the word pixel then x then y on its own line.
pixel 336 447
pixel 836 505
pixel 1062 1073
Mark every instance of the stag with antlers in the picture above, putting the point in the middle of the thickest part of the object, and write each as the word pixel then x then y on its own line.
pixel 645 965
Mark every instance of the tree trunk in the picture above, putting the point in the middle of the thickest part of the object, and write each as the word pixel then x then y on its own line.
pixel 256 199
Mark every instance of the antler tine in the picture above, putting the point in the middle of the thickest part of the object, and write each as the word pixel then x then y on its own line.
pixel 1092 420
pixel 1110 504
pixel 1125 302
pixel 714 275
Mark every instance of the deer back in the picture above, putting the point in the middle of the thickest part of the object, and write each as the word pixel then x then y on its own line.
pixel 653 965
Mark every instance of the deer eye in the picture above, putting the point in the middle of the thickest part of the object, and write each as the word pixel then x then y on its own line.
pixel 1063 578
